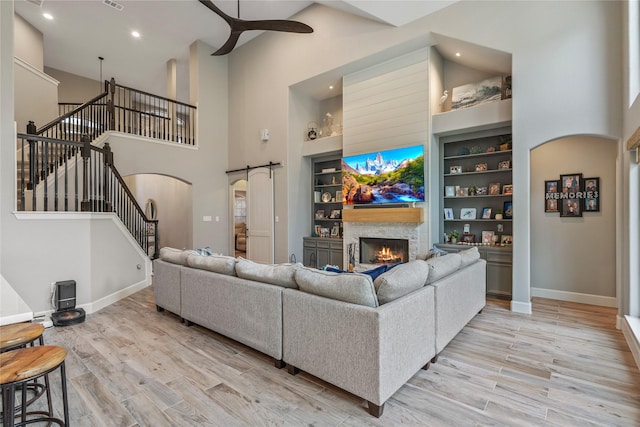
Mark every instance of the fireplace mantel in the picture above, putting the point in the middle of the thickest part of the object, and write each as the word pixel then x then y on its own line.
pixel 406 215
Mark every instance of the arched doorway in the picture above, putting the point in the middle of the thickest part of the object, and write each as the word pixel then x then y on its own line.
pixel 239 216
pixel 172 205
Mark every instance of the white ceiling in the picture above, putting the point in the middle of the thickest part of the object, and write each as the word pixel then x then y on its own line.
pixel 84 30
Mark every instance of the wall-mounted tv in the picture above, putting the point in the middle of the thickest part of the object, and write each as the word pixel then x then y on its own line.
pixel 390 176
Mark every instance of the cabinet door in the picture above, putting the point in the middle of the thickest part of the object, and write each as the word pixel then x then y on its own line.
pixel 499 279
pixel 323 257
pixel 335 258
pixel 310 258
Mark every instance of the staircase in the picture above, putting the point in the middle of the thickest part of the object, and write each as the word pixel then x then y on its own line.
pixel 59 169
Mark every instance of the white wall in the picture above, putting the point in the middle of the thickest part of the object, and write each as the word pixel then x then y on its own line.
pixel 574 258
pixel 36 96
pixel 566 81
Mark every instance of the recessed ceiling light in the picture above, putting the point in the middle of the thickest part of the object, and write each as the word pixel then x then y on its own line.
pixel 48 16
pixel 330 87
pixel 135 34
pixel 457 53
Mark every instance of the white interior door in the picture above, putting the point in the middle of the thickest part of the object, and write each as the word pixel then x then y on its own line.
pixel 260 246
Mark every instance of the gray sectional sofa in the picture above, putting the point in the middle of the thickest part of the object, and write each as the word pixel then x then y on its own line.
pixel 368 337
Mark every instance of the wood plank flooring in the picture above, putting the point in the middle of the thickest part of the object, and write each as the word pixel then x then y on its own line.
pixel 565 365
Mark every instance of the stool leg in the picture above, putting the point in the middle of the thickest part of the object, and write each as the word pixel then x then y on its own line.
pixel 65 403
pixel 49 405
pixel 23 403
pixel 8 402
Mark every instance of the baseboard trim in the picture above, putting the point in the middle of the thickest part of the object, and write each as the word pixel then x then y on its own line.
pixel 115 297
pixel 94 306
pixel 631 331
pixel 521 307
pixel 575 297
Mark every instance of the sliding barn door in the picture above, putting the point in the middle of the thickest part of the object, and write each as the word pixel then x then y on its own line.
pixel 260 240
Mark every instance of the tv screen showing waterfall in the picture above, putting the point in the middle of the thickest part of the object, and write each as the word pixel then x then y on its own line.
pixel 390 176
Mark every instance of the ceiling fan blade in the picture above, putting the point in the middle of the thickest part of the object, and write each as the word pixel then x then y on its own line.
pixel 209 4
pixel 229 44
pixel 275 25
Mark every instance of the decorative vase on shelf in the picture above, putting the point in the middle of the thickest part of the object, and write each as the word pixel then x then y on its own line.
pixel 498 216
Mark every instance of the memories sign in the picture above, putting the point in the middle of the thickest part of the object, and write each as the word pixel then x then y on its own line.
pixel 572 195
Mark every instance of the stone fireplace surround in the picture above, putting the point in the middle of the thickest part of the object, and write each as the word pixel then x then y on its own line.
pixel 352 232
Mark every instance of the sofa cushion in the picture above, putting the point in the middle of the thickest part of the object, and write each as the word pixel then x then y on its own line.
pixel 215 263
pixel 175 256
pixel 355 288
pixel 469 256
pixel 401 280
pixel 276 274
pixel 442 266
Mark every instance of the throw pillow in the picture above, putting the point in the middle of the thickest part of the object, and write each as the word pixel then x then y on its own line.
pixel 442 266
pixel 280 275
pixel 355 288
pixel 374 272
pixel 401 280
pixel 433 252
pixel 174 256
pixel 469 256
pixel 215 263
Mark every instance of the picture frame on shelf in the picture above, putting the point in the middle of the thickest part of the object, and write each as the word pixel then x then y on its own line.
pixel 324 232
pixel 318 230
pixel 494 189
pixel 506 239
pixel 487 237
pixel 455 169
pixel 481 191
pixel 468 213
pixel 335 214
pixel 335 231
pixel 507 189
pixel 320 214
pixel 504 165
pixel 468 238
pixel 450 191
pixel 481 167
pixel 592 193
pixel 339 196
pixel 448 213
pixel 508 210
pixel 462 192
pixel 486 213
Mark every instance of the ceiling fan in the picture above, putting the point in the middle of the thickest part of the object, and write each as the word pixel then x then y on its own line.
pixel 238 26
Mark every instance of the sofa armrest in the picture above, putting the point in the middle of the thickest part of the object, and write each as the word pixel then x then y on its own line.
pixel 166 285
pixel 370 352
pixel 458 298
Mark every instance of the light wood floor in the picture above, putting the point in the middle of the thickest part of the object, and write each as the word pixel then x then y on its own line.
pixel 564 365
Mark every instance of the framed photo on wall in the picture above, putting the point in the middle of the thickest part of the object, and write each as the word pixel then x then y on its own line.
pixel 550 191
pixel 570 208
pixel 592 195
pixel 571 183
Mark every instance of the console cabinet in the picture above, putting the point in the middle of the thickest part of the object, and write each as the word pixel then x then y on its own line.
pixel 499 267
pixel 319 252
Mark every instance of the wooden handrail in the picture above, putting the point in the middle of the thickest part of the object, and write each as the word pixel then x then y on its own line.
pixel 156 96
pixel 70 113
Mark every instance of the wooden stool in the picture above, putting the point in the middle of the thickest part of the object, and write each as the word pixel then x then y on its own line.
pixel 19 335
pixel 21 366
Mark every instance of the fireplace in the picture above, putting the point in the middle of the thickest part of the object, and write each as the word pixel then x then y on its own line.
pixel 375 250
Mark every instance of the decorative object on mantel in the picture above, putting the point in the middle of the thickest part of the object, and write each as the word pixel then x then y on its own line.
pixel 327 125
pixel 572 195
pixel 238 26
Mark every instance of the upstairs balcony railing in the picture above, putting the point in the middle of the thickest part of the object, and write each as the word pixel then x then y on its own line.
pixel 126 110
pixel 77 176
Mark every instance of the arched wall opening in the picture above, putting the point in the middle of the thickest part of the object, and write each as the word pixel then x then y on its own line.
pixel 574 258
pixel 173 200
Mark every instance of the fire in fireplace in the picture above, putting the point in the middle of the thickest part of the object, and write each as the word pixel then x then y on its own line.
pixel 375 250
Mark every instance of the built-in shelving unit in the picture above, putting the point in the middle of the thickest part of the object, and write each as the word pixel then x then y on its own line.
pixel 324 246
pixel 476 179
